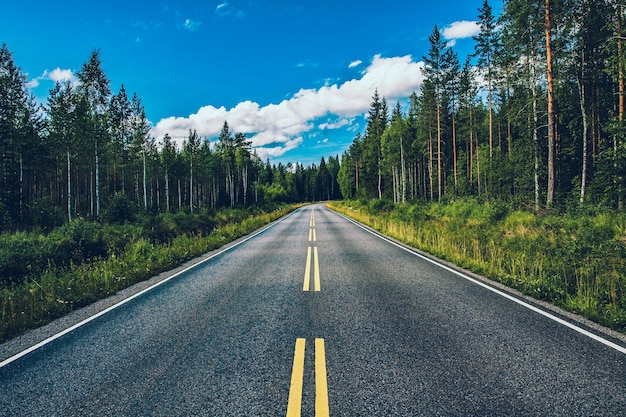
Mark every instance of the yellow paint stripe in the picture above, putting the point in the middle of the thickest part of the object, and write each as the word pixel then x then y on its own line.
pixel 310 235
pixel 317 270
pixel 294 407
pixel 321 383
pixel 307 271
pixel 314 236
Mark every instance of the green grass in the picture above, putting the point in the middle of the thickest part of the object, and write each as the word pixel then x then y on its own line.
pixel 576 261
pixel 120 257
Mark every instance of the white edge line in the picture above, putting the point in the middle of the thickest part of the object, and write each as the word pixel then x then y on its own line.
pixel 132 297
pixel 580 330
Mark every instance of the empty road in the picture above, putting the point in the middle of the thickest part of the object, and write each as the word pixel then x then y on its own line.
pixel 317 316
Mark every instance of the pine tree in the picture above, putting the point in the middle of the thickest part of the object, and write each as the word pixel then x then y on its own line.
pixel 94 87
pixel 487 46
pixel 434 70
pixel 372 147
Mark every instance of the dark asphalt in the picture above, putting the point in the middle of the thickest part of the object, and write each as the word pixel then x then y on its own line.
pixel 403 337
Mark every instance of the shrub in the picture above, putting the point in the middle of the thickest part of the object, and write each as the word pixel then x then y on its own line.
pixel 119 210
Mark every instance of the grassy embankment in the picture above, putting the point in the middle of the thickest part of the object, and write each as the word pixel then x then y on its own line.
pixel 577 262
pixel 44 276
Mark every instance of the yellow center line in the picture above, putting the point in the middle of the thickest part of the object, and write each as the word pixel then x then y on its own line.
pixel 321 383
pixel 294 406
pixel 317 270
pixel 311 234
pixel 307 271
pixel 314 236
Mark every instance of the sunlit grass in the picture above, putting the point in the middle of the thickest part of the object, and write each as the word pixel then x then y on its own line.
pixel 575 261
pixel 56 291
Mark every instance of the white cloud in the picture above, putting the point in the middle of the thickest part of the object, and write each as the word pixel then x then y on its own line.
pixel 355 63
pixel 337 125
pixel 56 75
pixel 461 29
pixel 226 9
pixel 60 75
pixel 283 124
pixel 191 25
pixel 34 83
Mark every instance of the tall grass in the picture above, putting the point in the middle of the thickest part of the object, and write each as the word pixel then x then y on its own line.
pixel 45 293
pixel 576 261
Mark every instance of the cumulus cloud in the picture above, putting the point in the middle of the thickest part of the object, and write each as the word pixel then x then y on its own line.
pixel 276 128
pixel 60 75
pixel 56 75
pixel 355 63
pixel 461 29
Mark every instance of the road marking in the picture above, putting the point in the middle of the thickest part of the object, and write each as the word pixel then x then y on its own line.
pixel 317 286
pixel 317 270
pixel 531 307
pixel 307 271
pixel 321 382
pixel 294 405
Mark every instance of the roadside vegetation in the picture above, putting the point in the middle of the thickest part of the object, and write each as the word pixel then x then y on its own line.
pixel 46 275
pixel 90 202
pixel 576 261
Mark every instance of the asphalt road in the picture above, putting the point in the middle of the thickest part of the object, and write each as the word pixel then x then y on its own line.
pixel 372 330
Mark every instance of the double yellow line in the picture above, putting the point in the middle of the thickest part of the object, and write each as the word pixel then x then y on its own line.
pixel 316 264
pixel 294 407
pixel 307 271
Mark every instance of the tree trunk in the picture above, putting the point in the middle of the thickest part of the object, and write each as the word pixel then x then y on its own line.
pixel 145 193
pixel 191 185
pixel 403 171
pixel 244 179
pixel 167 190
pixel 454 156
pixel 97 178
pixel 550 86
pixel 21 186
pixel 439 178
pixel 69 187
pixel 583 113
pixel 430 166
pixel 620 186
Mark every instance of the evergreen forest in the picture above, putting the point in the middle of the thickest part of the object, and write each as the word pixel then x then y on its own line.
pixel 532 121
pixel 534 117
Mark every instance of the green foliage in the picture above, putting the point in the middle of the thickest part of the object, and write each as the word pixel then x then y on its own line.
pixel 575 260
pixel 50 275
pixel 119 210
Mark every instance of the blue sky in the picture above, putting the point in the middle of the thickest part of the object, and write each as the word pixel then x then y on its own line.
pixel 296 76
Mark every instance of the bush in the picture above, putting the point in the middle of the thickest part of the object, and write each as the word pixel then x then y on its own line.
pixel 45 214
pixel 119 210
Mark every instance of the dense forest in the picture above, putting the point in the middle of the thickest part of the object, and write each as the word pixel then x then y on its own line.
pixel 534 117
pixel 88 153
